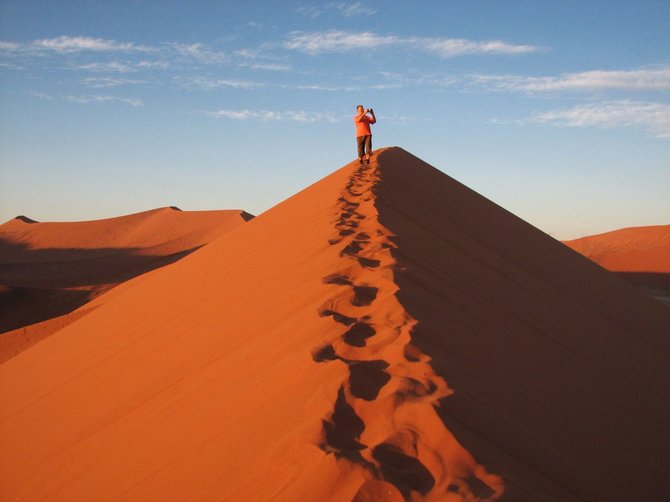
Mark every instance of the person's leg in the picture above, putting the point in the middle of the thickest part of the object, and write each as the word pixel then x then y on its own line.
pixel 368 147
pixel 360 141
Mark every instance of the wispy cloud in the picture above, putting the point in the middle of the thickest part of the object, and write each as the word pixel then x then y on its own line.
pixel 310 11
pixel 341 8
pixel 647 79
pixel 121 67
pixel 151 65
pixel 654 117
pixel 78 44
pixel 108 67
pixel 342 41
pixel 10 66
pixel 107 82
pixel 97 98
pixel 336 41
pixel 453 47
pixel 274 115
pixel 199 52
pixel 395 80
pixel 75 45
pixel 8 46
pixel 259 59
pixel 207 84
pixel 267 66
pixel 41 95
pixel 352 9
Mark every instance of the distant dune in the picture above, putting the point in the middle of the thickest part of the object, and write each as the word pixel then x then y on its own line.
pixel 48 270
pixel 386 334
pixel 641 255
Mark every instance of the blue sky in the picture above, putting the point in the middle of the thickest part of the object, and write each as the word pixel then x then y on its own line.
pixel 559 111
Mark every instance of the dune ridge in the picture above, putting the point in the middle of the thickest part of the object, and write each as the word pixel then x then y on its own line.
pixel 383 419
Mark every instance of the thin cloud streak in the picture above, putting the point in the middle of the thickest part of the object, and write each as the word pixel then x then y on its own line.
pixel 93 99
pixel 453 47
pixel 337 41
pixel 352 10
pixel 207 84
pixel 107 82
pixel 325 88
pixel 78 44
pixel 109 67
pixel 649 79
pixel 343 41
pixel 169 55
pixel 199 52
pixel 122 67
pixel 9 46
pixel 654 117
pixel 41 95
pixel 341 8
pixel 274 116
pixel 267 66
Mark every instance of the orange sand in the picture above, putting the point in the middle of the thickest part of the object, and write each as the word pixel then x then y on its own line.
pixel 635 249
pixel 47 270
pixel 640 255
pixel 385 334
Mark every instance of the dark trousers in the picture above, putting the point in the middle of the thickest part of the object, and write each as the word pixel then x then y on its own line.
pixel 364 143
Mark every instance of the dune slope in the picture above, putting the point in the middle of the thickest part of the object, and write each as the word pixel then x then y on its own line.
pixel 47 270
pixel 385 334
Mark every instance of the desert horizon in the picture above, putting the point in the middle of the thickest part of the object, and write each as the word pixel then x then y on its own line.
pixel 131 245
pixel 384 334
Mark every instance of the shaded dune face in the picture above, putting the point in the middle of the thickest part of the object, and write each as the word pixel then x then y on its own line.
pixel 384 418
pixel 560 370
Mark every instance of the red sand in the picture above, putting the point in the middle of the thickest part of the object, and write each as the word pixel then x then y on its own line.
pixel 635 249
pixel 47 270
pixel 386 334
pixel 640 255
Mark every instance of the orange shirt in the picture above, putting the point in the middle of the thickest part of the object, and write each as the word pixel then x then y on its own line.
pixel 362 123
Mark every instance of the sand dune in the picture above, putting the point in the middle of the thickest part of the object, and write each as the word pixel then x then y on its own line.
pixel 48 270
pixel 634 249
pixel 385 334
pixel 640 255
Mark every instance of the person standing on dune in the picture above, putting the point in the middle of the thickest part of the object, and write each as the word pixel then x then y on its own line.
pixel 362 122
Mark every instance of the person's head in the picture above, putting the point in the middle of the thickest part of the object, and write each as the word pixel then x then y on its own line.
pixel 360 109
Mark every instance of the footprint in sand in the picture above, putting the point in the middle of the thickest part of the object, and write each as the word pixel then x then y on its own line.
pixel 364 295
pixel 358 334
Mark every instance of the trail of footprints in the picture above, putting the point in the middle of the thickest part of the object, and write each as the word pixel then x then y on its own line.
pixel 362 427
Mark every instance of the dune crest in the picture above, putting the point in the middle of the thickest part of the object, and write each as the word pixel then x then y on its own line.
pixel 384 418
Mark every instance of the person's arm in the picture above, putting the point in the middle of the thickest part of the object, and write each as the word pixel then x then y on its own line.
pixel 374 119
